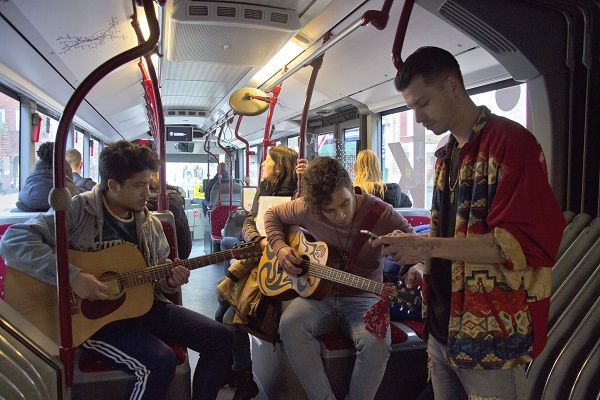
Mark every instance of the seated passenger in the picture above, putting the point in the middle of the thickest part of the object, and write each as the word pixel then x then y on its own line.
pixel 73 157
pixel 223 174
pixel 368 178
pixel 176 202
pixel 33 196
pixel 279 178
pixel 331 211
pixel 114 213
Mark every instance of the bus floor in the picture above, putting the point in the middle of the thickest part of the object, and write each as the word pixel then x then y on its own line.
pixel 200 295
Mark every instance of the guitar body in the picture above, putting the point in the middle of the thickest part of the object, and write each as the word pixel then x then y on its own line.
pixel 283 286
pixel 38 303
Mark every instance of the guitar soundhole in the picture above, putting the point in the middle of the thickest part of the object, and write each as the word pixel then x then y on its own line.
pixel 304 265
pixel 100 308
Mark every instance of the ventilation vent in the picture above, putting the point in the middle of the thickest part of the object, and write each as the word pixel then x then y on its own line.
pixel 253 13
pixel 186 113
pixel 229 33
pixel 197 11
pixel 227 12
pixel 475 27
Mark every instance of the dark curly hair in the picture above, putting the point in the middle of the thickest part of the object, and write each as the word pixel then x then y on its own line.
pixel 122 160
pixel 46 153
pixel 323 176
pixel 431 63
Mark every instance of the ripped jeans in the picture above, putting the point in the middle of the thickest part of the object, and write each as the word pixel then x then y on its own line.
pixel 451 383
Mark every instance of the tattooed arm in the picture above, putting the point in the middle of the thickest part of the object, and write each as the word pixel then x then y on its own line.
pixel 409 248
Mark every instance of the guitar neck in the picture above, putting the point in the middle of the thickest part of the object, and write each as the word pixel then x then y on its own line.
pixel 345 278
pixel 153 274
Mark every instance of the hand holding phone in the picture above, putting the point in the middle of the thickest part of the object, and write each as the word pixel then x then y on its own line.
pixel 369 233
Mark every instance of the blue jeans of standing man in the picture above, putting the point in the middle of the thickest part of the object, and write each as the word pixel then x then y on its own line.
pixel 304 319
pixel 451 383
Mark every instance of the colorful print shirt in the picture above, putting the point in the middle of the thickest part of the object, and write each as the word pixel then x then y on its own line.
pixel 496 309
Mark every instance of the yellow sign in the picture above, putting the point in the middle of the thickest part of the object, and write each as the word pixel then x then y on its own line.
pixel 198 193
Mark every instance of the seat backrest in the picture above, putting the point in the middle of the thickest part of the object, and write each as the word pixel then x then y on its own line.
pixel 218 216
pixel 167 221
pixel 236 190
pixel 417 220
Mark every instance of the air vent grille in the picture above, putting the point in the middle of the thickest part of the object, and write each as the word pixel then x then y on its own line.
pixel 197 11
pixel 279 18
pixel 252 13
pixel 186 113
pixel 475 27
pixel 228 12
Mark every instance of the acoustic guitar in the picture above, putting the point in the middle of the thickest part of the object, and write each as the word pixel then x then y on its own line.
pixel 318 278
pixel 123 268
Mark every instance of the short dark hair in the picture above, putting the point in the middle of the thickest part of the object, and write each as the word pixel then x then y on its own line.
pixel 431 63
pixel 323 176
pixel 122 160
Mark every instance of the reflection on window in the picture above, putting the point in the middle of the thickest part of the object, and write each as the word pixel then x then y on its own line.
pixel 408 149
pixel 48 129
pixel 94 158
pixel 10 120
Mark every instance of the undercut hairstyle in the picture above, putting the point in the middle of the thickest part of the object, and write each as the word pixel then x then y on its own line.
pixel 368 173
pixel 122 160
pixel 431 63
pixel 323 176
pixel 73 157
pixel 285 160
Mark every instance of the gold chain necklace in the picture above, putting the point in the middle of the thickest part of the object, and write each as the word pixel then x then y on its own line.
pixel 450 185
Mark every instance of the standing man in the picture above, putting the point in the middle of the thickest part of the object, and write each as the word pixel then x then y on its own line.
pixel 223 174
pixel 334 214
pixel 73 157
pixel 495 231
pixel 114 213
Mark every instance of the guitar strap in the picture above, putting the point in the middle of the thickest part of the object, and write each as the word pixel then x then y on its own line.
pixel 369 222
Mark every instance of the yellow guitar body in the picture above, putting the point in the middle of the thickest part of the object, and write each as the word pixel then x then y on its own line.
pixel 38 301
pixel 283 286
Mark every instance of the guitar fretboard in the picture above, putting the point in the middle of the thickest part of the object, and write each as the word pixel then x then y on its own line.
pixel 348 279
pixel 153 274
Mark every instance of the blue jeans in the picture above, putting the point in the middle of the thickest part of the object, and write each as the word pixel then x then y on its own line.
pixel 304 319
pixel 229 242
pixel 241 342
pixel 453 383
pixel 138 346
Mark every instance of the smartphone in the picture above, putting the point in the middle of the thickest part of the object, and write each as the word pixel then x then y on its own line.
pixel 369 233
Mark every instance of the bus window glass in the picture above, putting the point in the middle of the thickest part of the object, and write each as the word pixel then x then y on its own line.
pixel 349 156
pixel 408 149
pixel 94 157
pixel 49 127
pixel 254 167
pixel 293 144
pixel 9 151
pixel 326 145
pixel 78 142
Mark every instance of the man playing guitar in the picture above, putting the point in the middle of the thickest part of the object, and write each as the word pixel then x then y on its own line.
pixel 332 213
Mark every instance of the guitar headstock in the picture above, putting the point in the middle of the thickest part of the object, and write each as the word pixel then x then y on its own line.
pixel 408 297
pixel 247 250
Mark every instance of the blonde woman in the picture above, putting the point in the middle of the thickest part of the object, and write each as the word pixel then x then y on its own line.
pixel 368 178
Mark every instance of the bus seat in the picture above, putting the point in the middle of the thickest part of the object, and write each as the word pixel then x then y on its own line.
pixel 570 360
pixel 586 384
pixel 218 216
pixel 569 215
pixel 406 371
pixel 573 229
pixel 417 220
pixel 574 253
pixel 167 220
pixel 236 190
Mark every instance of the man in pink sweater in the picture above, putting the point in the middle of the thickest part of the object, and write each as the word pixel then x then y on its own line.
pixel 332 213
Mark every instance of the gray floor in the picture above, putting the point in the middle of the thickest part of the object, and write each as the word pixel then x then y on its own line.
pixel 199 295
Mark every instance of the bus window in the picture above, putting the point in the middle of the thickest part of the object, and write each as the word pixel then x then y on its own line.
pixel 9 151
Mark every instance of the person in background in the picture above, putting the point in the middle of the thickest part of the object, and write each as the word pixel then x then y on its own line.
pixel 114 213
pixel 495 231
pixel 73 157
pixel 176 203
pixel 368 177
pixel 332 213
pixel 223 174
pixel 33 196
pixel 280 171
